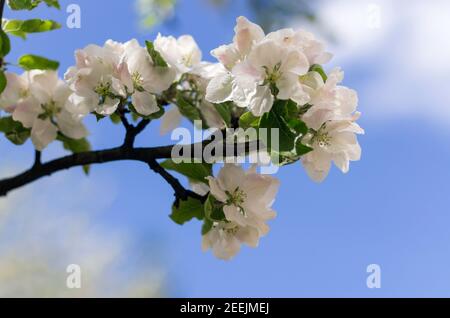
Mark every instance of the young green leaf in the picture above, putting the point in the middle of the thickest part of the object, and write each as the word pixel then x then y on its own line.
pixel 21 28
pixel 214 209
pixel 157 59
pixel 186 210
pixel 207 226
pixel 275 120
pixel 224 111
pixel 319 69
pixel 248 120
pixel 5 44
pixel 34 62
pixel 76 146
pixel 14 130
pixel 2 81
pixel 31 4
pixel 302 149
pixel 194 171
pixel 187 109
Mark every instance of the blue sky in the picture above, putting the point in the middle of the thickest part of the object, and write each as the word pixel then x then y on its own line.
pixel 391 209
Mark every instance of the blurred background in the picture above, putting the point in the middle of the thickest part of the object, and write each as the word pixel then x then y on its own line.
pixel 391 209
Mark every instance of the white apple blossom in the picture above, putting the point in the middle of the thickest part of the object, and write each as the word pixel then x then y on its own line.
pixel 247 197
pixel 329 100
pixel 105 76
pixel 142 78
pixel 95 79
pixel 44 110
pixel 246 35
pixel 334 142
pixel 183 53
pixel 16 90
pixel 259 68
pixel 332 117
pixel 225 239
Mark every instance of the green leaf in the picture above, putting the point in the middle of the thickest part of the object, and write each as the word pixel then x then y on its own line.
pixel 185 211
pixel 187 109
pixel 155 55
pixel 224 111
pixel 31 4
pixel 214 209
pixel 115 118
pixel 194 171
pixel 33 62
pixel 248 120
pixel 2 81
pixel 22 4
pixel 21 28
pixel 14 130
pixel 319 69
pixel 275 119
pixel 298 126
pixel 76 146
pixel 207 226
pixel 53 3
pixel 287 157
pixel 5 44
pixel 302 149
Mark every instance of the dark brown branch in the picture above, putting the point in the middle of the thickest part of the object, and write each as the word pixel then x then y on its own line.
pixel 145 155
pixel 181 193
pixel 133 131
pixel 2 7
pixel 37 159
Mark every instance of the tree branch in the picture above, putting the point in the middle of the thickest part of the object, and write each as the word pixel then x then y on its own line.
pixel 145 155
pixel 2 7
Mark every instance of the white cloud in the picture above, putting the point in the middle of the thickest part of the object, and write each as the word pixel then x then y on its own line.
pixel 402 53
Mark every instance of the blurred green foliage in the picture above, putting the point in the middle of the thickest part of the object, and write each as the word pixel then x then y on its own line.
pixel 270 14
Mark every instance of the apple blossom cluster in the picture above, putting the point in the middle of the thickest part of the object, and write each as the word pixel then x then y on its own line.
pixel 246 198
pixel 285 65
pixel 261 81
pixel 39 101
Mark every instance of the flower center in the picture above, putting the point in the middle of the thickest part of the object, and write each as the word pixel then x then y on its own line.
pixel 49 110
pixel 323 139
pixel 138 81
pixel 237 198
pixel 23 93
pixel 103 88
pixel 187 60
pixel 272 75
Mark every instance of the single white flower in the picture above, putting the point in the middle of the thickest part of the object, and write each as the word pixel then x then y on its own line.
pixel 142 78
pixel 45 110
pixel 246 35
pixel 329 100
pixel 183 53
pixel 335 141
pixel 225 239
pixel 95 79
pixel 247 197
